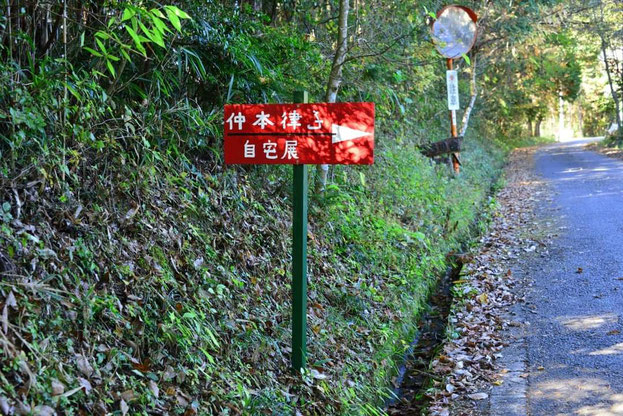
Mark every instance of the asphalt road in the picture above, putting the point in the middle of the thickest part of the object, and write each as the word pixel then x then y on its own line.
pixel 575 338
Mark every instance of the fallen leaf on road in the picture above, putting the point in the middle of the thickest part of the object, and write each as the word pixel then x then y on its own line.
pixel 11 301
pixel 540 368
pixel 579 270
pixel 128 395
pixel 477 324
pixel 483 299
pixel 613 332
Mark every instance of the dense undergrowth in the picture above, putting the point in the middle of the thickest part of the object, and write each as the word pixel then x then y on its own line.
pixel 612 141
pixel 175 292
pixel 139 274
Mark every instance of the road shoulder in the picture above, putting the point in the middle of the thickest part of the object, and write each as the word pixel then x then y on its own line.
pixel 481 368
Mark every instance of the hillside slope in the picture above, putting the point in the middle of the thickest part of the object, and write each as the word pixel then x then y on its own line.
pixel 139 274
pixel 167 285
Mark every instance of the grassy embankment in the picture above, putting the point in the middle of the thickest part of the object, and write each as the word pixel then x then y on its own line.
pixel 137 272
pixel 175 275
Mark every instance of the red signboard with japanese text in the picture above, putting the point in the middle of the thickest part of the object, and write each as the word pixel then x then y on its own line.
pixel 320 133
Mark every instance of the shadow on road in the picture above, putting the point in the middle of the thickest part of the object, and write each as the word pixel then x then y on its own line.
pixel 575 341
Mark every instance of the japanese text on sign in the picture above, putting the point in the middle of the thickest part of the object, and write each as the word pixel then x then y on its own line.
pixel 337 133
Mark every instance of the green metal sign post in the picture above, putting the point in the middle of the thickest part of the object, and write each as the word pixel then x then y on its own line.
pixel 305 134
pixel 299 259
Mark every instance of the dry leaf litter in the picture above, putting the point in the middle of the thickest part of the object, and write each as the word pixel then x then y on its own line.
pixel 487 288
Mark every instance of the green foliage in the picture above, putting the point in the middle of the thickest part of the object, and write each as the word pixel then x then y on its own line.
pixel 533 77
pixel 145 27
pixel 147 274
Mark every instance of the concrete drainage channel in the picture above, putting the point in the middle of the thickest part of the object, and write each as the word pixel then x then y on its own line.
pixel 413 377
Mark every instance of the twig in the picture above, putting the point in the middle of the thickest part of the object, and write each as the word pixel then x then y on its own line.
pixel 425 373
pixel 18 203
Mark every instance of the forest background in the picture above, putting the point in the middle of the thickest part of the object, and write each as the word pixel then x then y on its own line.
pixel 140 274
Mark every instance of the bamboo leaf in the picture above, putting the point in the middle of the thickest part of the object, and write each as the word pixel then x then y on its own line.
pixel 157 12
pixel 111 68
pixel 153 36
pixel 178 12
pixel 137 40
pixel 125 54
pixel 128 13
pixel 101 45
pixel 158 39
pixel 175 21
pixel 431 14
pixel 229 90
pixel 160 25
pixel 93 52
pixel 73 91
pixel 102 35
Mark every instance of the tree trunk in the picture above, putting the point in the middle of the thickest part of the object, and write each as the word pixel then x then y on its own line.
pixel 474 93
pixel 620 72
pixel 580 120
pixel 561 115
pixel 537 127
pixel 615 96
pixel 530 127
pixel 335 79
pixel 269 7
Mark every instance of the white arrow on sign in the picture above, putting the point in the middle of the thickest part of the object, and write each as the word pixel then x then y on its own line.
pixel 343 133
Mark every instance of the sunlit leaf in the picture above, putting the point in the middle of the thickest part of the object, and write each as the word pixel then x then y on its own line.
pixel 101 46
pixel 128 13
pixel 137 40
pixel 160 25
pixel 174 19
pixel 178 12
pixel 102 35
pixel 158 13
pixel 111 68
pixel 93 52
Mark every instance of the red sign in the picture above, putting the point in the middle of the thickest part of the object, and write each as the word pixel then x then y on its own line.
pixel 321 133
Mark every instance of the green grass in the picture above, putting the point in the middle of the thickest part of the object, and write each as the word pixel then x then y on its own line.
pixel 510 143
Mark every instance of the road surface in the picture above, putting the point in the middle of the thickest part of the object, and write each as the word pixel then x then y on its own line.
pixel 572 349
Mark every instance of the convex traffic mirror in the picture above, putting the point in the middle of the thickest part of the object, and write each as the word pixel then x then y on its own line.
pixel 454 31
